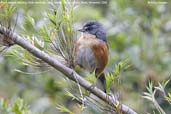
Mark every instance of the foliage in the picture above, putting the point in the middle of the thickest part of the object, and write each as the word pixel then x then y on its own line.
pixel 115 75
pixel 63 35
pixel 64 109
pixel 136 30
pixel 6 14
pixel 151 93
pixel 16 107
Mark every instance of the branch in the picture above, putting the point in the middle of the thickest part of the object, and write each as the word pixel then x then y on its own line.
pixel 70 73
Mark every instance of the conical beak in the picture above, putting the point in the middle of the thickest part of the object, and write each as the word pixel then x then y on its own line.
pixel 81 30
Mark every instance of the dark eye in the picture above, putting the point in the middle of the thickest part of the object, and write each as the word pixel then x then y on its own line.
pixel 88 28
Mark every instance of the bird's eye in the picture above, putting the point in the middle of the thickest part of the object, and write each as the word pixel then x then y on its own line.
pixel 88 28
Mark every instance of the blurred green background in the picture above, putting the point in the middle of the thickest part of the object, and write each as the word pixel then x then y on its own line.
pixel 136 30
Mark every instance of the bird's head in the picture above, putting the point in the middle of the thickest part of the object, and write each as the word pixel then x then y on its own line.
pixel 94 28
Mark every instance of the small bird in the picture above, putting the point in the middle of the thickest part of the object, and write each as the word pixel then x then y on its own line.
pixel 92 50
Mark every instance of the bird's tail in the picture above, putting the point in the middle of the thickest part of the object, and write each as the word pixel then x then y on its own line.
pixel 101 83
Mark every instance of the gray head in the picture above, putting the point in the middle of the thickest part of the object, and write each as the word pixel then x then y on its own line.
pixel 94 28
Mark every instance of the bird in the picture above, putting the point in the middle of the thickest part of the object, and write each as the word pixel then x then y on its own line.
pixel 92 50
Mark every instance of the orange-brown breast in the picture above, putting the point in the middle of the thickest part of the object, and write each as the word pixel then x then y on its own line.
pixel 92 48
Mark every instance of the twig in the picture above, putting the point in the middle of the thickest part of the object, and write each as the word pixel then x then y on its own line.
pixel 70 73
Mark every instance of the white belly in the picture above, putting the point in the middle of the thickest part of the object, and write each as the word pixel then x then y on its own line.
pixel 86 59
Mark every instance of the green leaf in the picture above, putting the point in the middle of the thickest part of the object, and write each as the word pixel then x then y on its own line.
pixel 44 33
pixel 150 87
pixel 3 103
pixel 64 109
pixel 38 43
pixel 109 80
pixel 18 107
pixel 8 11
pixel 91 78
pixel 63 5
pixel 52 19
pixel 168 97
pixel 70 95
pixel 29 24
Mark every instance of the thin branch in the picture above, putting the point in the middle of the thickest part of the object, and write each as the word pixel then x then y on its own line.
pixel 70 73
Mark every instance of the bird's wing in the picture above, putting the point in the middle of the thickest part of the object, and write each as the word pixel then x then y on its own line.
pixel 100 50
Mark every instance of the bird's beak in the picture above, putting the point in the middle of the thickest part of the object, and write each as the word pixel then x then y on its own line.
pixel 81 30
